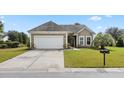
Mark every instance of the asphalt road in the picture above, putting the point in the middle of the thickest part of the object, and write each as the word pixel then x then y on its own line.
pixel 61 75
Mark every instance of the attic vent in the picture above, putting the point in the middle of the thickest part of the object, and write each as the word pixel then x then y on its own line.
pixel 77 24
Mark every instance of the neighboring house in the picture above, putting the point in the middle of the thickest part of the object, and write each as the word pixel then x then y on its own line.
pixel 3 37
pixel 53 36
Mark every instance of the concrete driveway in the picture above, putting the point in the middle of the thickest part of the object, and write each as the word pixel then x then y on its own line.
pixel 43 60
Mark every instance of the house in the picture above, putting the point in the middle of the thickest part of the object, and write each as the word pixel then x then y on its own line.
pixel 54 36
pixel 3 37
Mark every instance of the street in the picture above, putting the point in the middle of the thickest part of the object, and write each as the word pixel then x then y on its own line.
pixel 17 74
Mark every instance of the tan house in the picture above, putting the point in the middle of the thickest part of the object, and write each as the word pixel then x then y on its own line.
pixel 54 36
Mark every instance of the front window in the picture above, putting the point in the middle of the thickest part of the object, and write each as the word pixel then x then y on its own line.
pixel 81 40
pixel 88 40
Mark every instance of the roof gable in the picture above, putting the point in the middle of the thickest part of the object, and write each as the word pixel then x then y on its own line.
pixel 87 29
pixel 49 26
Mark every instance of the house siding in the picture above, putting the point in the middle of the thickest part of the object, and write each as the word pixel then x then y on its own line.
pixel 84 33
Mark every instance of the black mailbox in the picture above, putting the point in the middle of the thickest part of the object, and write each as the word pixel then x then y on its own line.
pixel 106 51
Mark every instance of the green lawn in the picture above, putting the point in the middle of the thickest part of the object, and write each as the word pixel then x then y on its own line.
pixel 93 58
pixel 6 54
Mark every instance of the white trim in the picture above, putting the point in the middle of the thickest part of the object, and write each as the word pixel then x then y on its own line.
pixel 90 40
pixel 83 40
pixel 81 30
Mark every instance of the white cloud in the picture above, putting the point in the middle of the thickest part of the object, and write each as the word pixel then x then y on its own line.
pixel 108 16
pixel 99 27
pixel 14 24
pixel 2 17
pixel 2 21
pixel 95 18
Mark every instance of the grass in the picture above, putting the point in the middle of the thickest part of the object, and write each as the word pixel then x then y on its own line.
pixel 93 58
pixel 6 54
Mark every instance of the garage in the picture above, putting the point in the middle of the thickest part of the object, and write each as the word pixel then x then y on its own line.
pixel 48 41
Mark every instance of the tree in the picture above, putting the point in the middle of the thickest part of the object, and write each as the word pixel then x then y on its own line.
pixel 103 40
pixel 1 27
pixel 120 42
pixel 18 36
pixel 109 40
pixel 114 32
pixel 98 40
pixel 24 38
pixel 13 35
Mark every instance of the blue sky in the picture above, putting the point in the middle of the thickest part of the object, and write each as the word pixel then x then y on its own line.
pixel 99 23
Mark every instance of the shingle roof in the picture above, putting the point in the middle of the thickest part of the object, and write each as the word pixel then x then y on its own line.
pixel 73 28
pixel 51 26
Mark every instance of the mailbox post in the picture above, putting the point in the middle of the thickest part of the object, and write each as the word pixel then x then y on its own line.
pixel 104 51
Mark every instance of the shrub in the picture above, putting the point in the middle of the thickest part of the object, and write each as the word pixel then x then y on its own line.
pixel 64 45
pixel 13 44
pixel 67 46
pixel 22 45
pixel 8 41
pixel 103 40
pixel 3 45
pixel 1 41
pixel 9 44
pixel 28 44
pixel 120 43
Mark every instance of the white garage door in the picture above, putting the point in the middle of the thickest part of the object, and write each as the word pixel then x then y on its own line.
pixel 48 42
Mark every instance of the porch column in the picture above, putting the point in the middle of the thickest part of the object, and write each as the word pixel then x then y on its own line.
pixel 30 40
pixel 77 40
pixel 66 40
